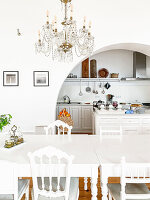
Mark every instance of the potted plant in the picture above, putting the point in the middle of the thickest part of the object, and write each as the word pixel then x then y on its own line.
pixel 4 121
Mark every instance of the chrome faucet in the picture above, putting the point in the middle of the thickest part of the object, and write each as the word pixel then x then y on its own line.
pixel 66 99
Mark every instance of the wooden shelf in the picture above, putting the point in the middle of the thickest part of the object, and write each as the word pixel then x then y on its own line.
pixel 92 80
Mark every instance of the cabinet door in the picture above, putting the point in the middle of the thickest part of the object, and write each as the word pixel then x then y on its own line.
pixel 87 117
pixel 75 112
pixel 60 108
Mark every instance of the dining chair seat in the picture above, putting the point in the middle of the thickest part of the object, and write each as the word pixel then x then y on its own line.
pixel 73 191
pixel 22 186
pixel 133 188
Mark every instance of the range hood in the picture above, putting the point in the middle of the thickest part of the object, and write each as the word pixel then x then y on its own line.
pixel 139 68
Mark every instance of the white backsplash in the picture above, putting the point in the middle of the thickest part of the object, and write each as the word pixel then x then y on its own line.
pixel 123 92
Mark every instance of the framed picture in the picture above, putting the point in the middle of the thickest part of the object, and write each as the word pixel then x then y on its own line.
pixel 41 78
pixel 10 78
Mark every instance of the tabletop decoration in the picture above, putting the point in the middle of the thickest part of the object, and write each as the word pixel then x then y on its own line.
pixel 15 137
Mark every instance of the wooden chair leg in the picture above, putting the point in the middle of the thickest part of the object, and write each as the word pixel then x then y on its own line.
pixel 85 183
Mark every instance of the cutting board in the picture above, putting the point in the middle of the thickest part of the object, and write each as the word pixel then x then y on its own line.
pixel 93 68
pixel 85 68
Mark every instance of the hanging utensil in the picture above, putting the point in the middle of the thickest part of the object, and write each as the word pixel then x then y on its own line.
pixel 103 91
pixel 107 85
pixel 100 85
pixel 88 89
pixel 94 88
pixel 80 93
pixel 96 91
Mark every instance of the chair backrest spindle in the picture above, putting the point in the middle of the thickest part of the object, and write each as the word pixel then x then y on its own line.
pixel 53 165
pixel 134 173
pixel 60 128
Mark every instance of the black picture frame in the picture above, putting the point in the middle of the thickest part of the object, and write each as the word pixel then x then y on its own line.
pixel 40 78
pixel 10 81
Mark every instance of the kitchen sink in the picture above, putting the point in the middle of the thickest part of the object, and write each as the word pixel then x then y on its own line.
pixel 69 103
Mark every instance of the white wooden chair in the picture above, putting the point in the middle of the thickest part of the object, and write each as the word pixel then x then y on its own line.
pixel 51 175
pixel 133 179
pixel 58 126
pixel 10 187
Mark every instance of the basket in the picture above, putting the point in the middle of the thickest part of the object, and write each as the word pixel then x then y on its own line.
pixel 67 120
pixel 114 75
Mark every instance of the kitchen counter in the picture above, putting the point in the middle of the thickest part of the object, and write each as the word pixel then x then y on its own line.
pixel 118 112
pixel 130 123
pixel 74 104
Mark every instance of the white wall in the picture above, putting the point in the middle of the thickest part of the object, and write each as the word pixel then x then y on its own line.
pixel 117 61
pixel 114 22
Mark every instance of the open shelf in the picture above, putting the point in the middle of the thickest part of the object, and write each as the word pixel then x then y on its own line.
pixel 92 80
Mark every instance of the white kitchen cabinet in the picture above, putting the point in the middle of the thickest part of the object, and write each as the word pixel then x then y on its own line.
pixel 75 112
pixel 87 118
pixel 131 124
pixel 81 116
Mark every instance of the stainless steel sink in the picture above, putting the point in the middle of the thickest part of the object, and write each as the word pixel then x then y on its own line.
pixel 75 102
pixel 69 103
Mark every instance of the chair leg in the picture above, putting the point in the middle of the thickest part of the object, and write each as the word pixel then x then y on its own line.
pixel 16 196
pixel 109 196
pixel 33 196
pixel 27 193
pixel 85 183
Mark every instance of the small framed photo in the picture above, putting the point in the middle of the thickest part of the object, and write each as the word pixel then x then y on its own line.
pixel 40 78
pixel 10 78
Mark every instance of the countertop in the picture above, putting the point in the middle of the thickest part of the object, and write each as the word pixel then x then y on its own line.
pixel 119 112
pixel 74 104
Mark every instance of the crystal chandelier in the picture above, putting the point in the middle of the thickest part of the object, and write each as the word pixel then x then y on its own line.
pixel 61 44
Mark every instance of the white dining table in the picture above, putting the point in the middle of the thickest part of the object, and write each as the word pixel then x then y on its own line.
pixel 85 163
pixel 109 150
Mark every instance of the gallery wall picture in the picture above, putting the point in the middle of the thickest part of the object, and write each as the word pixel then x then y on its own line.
pixel 10 78
pixel 40 78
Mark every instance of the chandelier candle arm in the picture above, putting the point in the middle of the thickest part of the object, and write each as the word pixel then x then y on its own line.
pixel 60 44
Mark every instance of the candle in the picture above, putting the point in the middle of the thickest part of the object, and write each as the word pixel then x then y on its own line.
pixel 71 8
pixel 55 20
pixel 39 33
pixel 71 14
pixel 84 21
pixel 47 13
pixel 90 23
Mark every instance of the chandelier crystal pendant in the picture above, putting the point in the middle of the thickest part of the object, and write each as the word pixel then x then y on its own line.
pixel 61 44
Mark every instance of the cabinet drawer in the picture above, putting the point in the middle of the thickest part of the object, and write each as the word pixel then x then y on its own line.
pixel 108 120
pixel 130 120
pixel 146 120
pixel 146 130
pixel 130 130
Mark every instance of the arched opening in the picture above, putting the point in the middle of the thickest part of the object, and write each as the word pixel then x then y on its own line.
pixel 117 58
